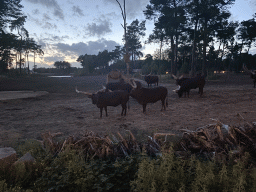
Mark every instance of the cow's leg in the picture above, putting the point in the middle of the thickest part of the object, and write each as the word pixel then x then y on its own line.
pixel 122 110
pixel 163 104
pixel 106 111
pixel 144 108
pixel 124 107
pixel 101 112
pixel 188 93
pixel 201 91
pixel 254 82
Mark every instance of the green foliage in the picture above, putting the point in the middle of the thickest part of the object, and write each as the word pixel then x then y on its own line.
pixel 34 147
pixel 170 173
pixel 23 174
pixel 62 65
pixel 69 171
pixel 4 188
pixel 163 174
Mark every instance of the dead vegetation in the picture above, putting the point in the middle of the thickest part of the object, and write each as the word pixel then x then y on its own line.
pixel 217 141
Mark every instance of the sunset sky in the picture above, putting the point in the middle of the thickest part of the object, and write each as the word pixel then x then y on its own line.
pixel 67 29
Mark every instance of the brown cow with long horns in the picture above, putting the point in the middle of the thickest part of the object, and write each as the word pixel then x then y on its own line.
pixel 104 98
pixel 149 95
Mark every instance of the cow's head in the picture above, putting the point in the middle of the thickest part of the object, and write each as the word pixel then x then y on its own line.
pixel 94 96
pixel 135 87
pixel 252 72
pixel 178 79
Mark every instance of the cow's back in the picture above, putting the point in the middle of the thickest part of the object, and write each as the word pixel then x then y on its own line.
pixel 152 95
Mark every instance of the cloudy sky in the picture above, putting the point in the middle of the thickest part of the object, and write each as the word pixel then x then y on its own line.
pixel 67 28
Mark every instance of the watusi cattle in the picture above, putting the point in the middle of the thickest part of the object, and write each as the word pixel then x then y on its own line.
pixel 151 79
pixel 191 83
pixel 179 81
pixel 252 74
pixel 150 95
pixel 102 99
pixel 121 85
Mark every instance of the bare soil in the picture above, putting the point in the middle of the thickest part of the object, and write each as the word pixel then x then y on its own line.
pixel 228 100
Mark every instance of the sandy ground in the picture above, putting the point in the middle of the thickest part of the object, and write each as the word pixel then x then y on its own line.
pixel 228 100
pixel 9 95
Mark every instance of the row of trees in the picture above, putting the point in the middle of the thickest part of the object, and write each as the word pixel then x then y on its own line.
pixel 193 29
pixel 198 36
pixel 15 46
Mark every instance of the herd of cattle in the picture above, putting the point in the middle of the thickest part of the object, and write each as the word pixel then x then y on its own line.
pixel 118 93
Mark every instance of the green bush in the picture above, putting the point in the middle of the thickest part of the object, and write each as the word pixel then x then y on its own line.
pixel 70 171
pixel 4 188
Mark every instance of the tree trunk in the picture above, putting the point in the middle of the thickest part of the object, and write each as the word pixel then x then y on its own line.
pixel 204 67
pixel 193 67
pixel 161 45
pixel 28 63
pixel 20 62
pixel 172 56
pixel 34 61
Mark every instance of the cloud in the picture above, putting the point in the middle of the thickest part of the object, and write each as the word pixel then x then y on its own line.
pixel 134 8
pixel 48 38
pixel 58 13
pixel 52 4
pixel 63 51
pixel 46 17
pixel 50 26
pixel 36 12
pixel 98 29
pixel 47 3
pixel 77 11
pixel 53 59
pixel 91 47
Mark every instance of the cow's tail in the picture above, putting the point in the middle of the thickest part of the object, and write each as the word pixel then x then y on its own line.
pixel 166 101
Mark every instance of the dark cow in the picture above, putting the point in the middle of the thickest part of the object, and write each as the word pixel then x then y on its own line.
pixel 190 83
pixel 252 74
pixel 150 79
pixel 102 99
pixel 179 81
pixel 121 85
pixel 149 95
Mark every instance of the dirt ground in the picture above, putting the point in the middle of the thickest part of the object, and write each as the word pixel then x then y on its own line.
pixel 228 100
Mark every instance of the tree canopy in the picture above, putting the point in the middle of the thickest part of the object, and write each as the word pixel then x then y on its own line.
pixel 13 45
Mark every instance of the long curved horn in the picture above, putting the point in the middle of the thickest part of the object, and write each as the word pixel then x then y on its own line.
pixel 176 90
pixel 181 76
pixel 174 77
pixel 246 69
pixel 104 89
pixel 133 84
pixel 83 92
pixel 107 78
pixel 142 75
